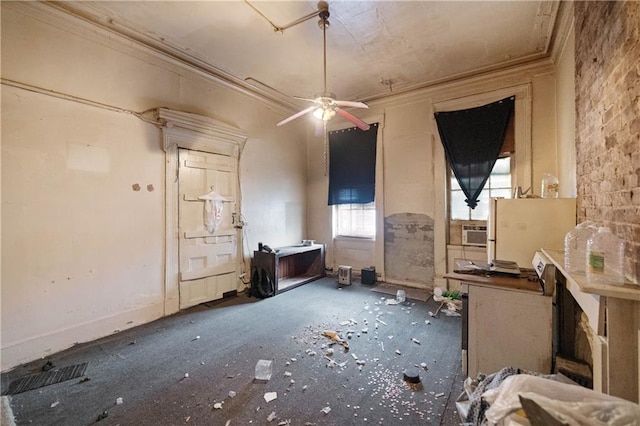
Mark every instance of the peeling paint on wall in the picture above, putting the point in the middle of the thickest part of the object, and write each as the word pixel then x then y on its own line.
pixel 409 248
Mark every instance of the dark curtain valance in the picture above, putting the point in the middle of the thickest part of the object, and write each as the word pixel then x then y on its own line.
pixel 352 165
pixel 472 140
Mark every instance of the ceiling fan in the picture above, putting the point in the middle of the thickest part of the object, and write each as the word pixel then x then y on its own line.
pixel 325 103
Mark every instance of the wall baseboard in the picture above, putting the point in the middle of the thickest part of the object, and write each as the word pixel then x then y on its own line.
pixel 43 345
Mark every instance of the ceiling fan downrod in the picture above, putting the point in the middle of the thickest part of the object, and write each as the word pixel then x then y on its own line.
pixel 323 23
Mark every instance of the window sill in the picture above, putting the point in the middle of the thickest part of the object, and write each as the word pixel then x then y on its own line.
pixel 353 238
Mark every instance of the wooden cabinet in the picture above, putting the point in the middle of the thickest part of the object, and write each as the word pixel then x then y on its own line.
pixel 508 323
pixel 291 266
pixel 508 328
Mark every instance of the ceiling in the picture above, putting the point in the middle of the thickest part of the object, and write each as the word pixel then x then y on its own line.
pixel 374 48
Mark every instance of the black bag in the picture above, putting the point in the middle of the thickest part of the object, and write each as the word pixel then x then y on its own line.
pixel 262 284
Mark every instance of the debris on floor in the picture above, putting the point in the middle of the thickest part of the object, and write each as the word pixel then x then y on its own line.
pixel 335 338
pixel 451 310
pixel 391 395
pixel 263 370
pixel 431 314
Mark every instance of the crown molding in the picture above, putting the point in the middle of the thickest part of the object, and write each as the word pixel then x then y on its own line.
pixel 87 21
pixel 489 81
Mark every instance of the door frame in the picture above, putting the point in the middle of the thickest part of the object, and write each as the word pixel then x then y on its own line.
pixel 198 133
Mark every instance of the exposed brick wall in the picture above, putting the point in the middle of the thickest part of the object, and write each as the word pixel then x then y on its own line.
pixel 608 120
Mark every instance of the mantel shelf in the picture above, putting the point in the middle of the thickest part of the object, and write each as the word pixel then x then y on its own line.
pixel 628 290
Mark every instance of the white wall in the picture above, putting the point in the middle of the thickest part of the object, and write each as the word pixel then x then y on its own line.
pixel 82 252
pixel 81 249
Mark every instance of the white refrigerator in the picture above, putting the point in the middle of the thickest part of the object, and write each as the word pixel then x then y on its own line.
pixel 519 227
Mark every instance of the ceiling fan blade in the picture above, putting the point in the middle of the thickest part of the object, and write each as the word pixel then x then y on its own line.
pixel 352 118
pixel 296 115
pixel 352 104
pixel 317 101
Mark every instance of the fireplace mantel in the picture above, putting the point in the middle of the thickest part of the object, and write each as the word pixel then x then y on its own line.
pixel 614 316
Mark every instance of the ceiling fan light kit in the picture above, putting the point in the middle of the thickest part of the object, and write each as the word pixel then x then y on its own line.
pixel 326 105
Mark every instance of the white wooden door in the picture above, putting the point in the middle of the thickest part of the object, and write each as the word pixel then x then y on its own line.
pixel 208 261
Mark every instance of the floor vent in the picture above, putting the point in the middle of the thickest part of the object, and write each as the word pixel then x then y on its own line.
pixel 35 381
pixel 232 293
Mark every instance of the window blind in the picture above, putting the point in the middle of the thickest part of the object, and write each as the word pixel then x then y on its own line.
pixel 352 165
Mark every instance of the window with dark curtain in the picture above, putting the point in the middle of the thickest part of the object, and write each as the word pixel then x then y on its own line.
pixel 472 140
pixel 352 165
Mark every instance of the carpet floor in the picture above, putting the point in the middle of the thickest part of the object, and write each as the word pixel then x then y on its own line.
pixel 197 367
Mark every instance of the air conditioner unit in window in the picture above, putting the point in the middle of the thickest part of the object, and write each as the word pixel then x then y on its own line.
pixel 344 275
pixel 474 235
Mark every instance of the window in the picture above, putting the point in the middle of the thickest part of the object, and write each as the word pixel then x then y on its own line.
pixel 498 185
pixel 355 220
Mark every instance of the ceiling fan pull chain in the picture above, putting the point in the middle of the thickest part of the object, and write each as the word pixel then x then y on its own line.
pixel 324 139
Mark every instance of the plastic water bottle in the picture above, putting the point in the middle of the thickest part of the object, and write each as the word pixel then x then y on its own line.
pixel 550 186
pixel 575 247
pixel 605 258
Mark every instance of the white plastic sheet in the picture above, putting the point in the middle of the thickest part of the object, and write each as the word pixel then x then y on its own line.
pixel 573 404
pixel 213 205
